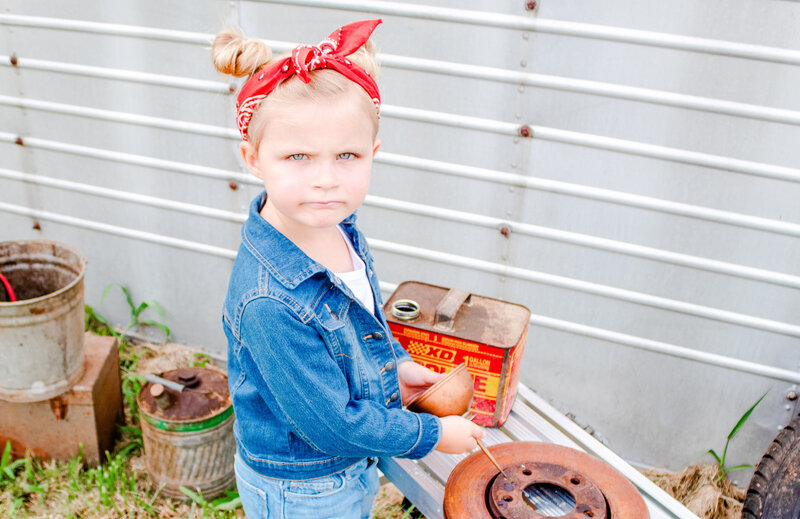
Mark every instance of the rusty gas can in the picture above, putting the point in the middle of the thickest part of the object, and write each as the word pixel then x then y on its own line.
pixel 442 328
pixel 41 333
pixel 188 432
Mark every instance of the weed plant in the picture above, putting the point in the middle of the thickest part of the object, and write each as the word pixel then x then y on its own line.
pixel 723 470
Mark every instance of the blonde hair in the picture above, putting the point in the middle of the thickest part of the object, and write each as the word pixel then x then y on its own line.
pixel 238 56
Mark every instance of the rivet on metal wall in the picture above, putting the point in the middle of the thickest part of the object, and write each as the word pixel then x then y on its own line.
pixel 525 131
pixel 233 185
pixel 791 395
pixel 19 142
pixel 13 59
pixel 523 63
pixel 530 5
pixel 231 88
pixel 37 226
pixel 526 35
pixel 505 230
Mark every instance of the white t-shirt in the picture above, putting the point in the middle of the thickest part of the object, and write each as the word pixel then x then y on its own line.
pixel 356 280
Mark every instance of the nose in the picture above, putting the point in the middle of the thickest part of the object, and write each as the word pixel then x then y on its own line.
pixel 324 175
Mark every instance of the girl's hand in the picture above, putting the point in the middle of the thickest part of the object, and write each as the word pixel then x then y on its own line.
pixel 414 379
pixel 458 435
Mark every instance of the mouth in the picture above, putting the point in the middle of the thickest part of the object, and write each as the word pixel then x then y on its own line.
pixel 325 204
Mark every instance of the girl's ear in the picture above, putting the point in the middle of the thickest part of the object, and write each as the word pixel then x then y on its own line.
pixel 377 145
pixel 250 158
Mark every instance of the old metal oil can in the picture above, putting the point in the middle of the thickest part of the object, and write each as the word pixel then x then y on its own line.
pixel 442 328
pixel 188 432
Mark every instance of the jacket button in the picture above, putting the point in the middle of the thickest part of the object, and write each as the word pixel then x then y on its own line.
pixel 377 336
pixel 394 397
pixel 389 366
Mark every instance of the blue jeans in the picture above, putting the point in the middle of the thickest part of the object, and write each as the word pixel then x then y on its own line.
pixel 348 494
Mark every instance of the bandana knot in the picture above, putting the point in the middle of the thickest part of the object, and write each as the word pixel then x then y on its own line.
pixel 330 53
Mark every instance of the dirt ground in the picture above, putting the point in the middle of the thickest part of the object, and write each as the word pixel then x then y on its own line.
pixel 699 489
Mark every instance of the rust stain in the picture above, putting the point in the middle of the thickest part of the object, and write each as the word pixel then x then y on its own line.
pixel 19 449
pixel 59 407
pixel 37 311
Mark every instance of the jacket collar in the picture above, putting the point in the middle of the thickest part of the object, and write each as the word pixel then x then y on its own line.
pixel 285 261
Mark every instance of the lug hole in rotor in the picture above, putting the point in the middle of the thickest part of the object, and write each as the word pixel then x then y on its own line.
pixel 575 481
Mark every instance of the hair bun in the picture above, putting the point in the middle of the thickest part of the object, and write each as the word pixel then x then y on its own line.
pixel 238 56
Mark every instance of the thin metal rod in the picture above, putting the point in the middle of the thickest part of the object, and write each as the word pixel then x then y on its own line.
pixel 155 379
pixel 128 158
pixel 581 86
pixel 563 28
pixel 111 29
pixel 120 117
pixel 586 287
pixel 746 167
pixel 115 230
pixel 585 240
pixel 591 193
pixel 453 120
pixel 491 458
pixel 126 196
pixel 671 350
pixel 458 121
pixel 624 92
pixel 120 74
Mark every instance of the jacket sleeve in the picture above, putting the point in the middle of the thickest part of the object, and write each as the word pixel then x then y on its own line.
pixel 295 370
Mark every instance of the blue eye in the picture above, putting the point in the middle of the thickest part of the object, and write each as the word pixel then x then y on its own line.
pixel 297 156
pixel 346 156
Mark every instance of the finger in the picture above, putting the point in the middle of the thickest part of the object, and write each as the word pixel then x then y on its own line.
pixel 432 377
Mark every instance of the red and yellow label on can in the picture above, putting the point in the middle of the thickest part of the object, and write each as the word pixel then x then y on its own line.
pixel 495 371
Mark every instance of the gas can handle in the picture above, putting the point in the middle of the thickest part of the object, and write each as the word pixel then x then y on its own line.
pixel 446 310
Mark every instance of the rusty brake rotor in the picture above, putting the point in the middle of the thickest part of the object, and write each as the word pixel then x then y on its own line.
pixel 475 489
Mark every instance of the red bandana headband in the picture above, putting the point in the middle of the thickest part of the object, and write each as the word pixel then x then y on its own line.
pixel 331 53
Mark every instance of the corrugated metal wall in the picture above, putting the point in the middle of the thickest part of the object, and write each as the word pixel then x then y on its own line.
pixel 650 222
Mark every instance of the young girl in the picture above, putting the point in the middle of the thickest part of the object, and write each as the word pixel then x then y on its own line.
pixel 316 378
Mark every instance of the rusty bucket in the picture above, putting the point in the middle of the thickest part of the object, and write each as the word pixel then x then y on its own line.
pixel 41 333
pixel 187 427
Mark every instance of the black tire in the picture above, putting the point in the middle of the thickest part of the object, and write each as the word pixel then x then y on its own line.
pixel 774 491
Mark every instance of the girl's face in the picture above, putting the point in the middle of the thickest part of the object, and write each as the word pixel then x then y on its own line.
pixel 315 159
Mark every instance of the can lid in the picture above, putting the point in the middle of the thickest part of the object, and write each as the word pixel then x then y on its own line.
pixel 458 313
pixel 205 395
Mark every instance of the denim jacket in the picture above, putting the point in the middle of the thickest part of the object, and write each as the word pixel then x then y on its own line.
pixel 312 372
